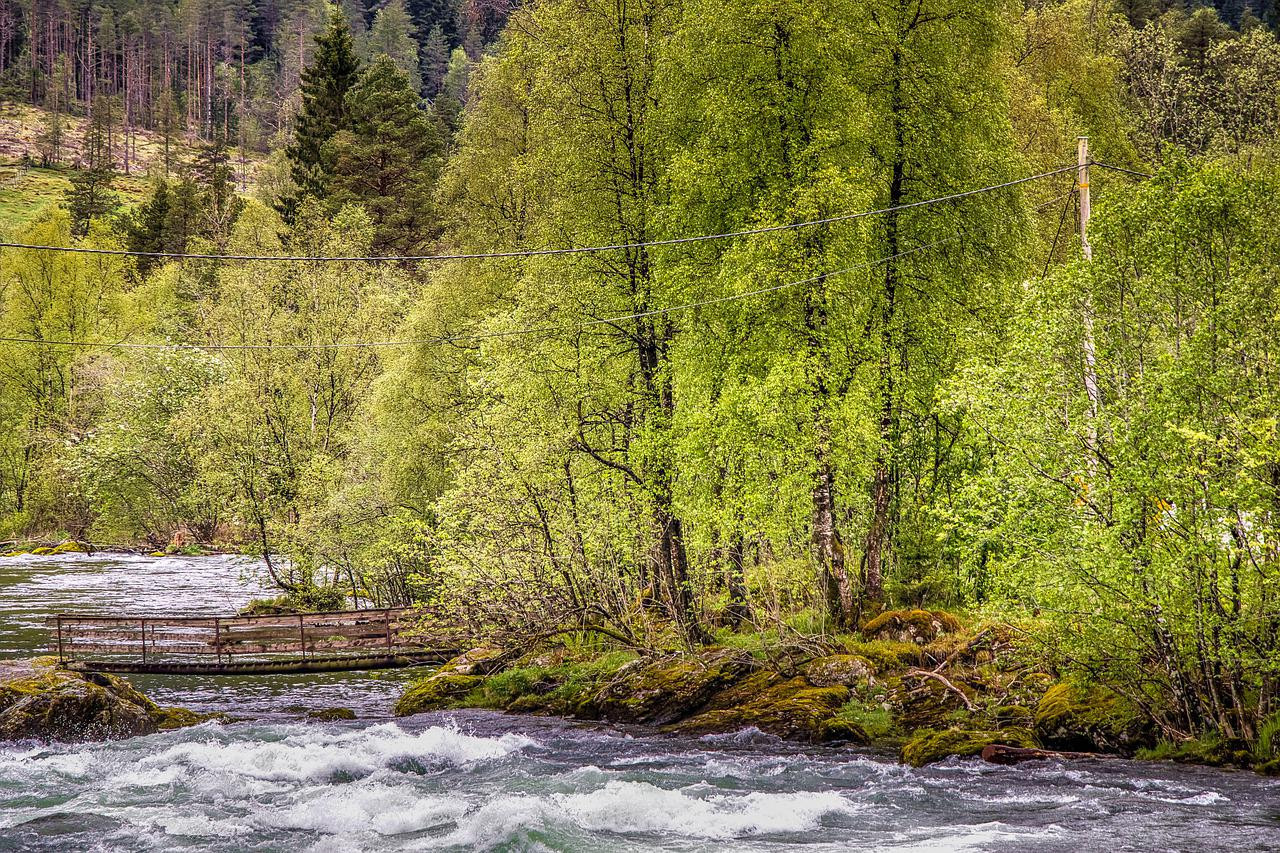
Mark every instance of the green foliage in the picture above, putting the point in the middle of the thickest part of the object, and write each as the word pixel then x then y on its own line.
pixel 333 71
pixel 387 158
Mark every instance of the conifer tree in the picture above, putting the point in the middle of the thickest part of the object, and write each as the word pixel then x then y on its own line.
pixel 388 159
pixel 91 196
pixel 325 83
pixel 392 35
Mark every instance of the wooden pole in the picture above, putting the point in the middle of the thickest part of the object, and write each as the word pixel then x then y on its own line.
pixel 1082 183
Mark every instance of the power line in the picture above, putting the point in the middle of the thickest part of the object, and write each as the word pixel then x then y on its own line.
pixel 486 335
pixel 534 253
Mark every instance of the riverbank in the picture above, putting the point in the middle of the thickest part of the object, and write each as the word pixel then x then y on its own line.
pixel 913 681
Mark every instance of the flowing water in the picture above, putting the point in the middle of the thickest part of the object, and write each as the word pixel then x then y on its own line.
pixel 473 780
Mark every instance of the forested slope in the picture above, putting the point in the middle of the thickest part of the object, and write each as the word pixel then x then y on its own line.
pixel 851 395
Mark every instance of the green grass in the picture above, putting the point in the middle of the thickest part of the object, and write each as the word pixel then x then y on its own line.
pixel 25 196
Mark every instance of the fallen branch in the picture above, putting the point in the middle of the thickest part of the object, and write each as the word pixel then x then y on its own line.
pixel 961 649
pixel 998 753
pixel 945 682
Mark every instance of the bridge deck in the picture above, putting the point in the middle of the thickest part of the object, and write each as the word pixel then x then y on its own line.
pixel 308 642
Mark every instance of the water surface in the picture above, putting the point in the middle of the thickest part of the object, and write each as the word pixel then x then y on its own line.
pixel 475 780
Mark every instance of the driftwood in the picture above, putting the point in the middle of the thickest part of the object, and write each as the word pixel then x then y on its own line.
pixel 945 682
pixel 998 753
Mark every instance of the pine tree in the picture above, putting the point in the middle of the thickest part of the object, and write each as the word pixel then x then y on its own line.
pixel 325 83
pixel 388 159
pixel 144 229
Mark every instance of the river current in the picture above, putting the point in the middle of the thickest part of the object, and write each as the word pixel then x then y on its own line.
pixel 479 781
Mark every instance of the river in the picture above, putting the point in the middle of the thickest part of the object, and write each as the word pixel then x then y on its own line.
pixel 464 781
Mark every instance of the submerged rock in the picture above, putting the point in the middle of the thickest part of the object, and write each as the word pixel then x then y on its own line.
pixel 331 715
pixel 42 701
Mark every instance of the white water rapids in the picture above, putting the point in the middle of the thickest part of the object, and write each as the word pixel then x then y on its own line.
pixel 482 781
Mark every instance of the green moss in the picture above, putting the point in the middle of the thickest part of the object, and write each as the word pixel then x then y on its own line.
pixel 872 718
pixel 911 625
pixel 790 708
pixel 927 746
pixel 1089 718
pixel 69 547
pixel 1211 749
pixel 434 693
pixel 329 715
pixel 1013 715
pixel 888 655
pixel 168 719
pixel 41 551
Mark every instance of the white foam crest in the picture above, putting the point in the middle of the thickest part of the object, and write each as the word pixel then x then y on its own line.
pixel 318 754
pixel 978 836
pixel 365 807
pixel 642 807
pixel 1207 798
pixel 498 822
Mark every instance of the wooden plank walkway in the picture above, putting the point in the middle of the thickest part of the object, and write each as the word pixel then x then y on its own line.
pixel 305 642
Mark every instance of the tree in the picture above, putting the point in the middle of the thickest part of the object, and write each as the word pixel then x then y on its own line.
pixel 333 71
pixel 388 159
pixel 435 62
pixel 91 196
pixel 392 36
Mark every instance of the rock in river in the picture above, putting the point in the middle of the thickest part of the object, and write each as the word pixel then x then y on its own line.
pixel 40 700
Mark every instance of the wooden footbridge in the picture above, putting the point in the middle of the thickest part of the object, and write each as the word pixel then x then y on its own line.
pixel 243 645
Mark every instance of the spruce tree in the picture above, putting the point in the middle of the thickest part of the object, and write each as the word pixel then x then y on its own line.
pixel 91 196
pixel 388 158
pixel 325 83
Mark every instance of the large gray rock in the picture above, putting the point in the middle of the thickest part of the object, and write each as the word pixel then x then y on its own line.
pixel 42 701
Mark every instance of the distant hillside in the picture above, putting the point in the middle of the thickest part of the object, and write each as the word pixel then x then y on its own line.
pixel 27 188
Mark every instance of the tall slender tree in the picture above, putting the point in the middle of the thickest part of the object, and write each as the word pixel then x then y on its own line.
pixel 333 71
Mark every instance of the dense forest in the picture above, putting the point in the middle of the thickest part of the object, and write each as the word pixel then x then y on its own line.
pixel 856 396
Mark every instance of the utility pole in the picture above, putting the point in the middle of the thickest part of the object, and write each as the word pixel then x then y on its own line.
pixel 1082 184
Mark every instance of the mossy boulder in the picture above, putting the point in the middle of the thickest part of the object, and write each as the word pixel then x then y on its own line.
pixel 839 671
pixel 1014 715
pixel 70 547
pixel 40 700
pixel 482 660
pixel 331 715
pixel 441 690
pixel 1088 718
pixel 888 655
pixel 666 689
pixel 911 626
pixel 789 708
pixel 927 746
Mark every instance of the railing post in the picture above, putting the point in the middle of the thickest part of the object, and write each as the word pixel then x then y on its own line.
pixel 302 635
pixel 61 658
pixel 144 640
pixel 386 614
pixel 217 639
